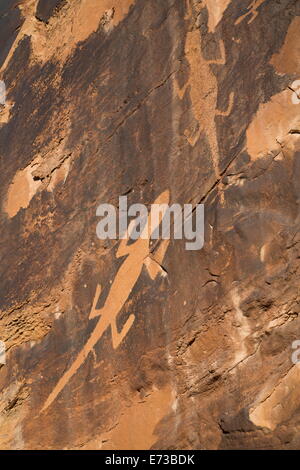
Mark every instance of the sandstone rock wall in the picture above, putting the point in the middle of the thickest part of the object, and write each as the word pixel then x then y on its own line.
pixel 196 99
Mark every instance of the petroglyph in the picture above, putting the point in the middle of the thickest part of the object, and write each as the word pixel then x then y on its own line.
pixel 252 12
pixel 203 89
pixel 137 254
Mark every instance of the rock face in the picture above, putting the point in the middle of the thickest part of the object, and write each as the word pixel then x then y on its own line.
pixel 110 346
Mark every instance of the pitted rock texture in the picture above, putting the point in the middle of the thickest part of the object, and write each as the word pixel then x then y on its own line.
pixel 110 346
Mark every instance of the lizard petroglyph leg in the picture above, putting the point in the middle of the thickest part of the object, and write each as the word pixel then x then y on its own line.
pixel 252 11
pixel 96 312
pixel 117 337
